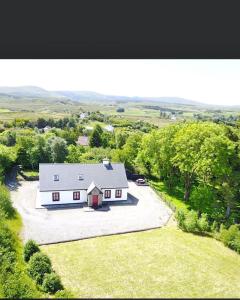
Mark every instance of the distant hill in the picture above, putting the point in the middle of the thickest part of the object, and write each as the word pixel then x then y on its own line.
pixel 92 96
pixel 37 92
pixel 26 92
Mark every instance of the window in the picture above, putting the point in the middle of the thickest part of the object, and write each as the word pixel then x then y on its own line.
pixel 80 177
pixel 55 177
pixel 118 193
pixel 107 194
pixel 76 195
pixel 55 196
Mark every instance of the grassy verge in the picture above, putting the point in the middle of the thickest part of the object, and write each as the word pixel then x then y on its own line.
pixel 173 201
pixel 157 263
pixel 30 173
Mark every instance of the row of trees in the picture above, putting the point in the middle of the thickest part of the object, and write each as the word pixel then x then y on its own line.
pixel 201 158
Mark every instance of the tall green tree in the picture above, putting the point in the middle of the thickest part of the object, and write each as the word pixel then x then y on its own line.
pixel 96 136
pixel 58 149
pixel 202 153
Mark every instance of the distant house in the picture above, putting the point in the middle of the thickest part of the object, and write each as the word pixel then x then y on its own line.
pixel 83 141
pixel 109 128
pixel 83 115
pixel 47 128
pixel 93 184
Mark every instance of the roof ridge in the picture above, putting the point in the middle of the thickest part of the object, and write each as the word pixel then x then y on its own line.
pixel 112 163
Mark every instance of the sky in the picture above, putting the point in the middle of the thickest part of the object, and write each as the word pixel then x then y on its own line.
pixel 207 81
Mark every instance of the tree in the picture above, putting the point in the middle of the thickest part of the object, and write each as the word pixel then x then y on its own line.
pixel 96 136
pixel 121 138
pixel 75 154
pixel 130 150
pixel 58 149
pixel 96 154
pixel 24 146
pixel 202 152
pixel 8 157
pixel 41 123
pixel 202 198
pixel 120 109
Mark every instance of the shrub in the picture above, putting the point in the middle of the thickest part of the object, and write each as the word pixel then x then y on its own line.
pixel 17 286
pixel 202 223
pixel 214 227
pixel 190 223
pixel 180 217
pixel 29 249
pixel 52 283
pixel 39 265
pixel 6 207
pixel 6 238
pixel 235 244
pixel 228 235
pixel 63 294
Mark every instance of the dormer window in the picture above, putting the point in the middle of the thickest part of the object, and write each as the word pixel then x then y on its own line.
pixel 56 177
pixel 80 177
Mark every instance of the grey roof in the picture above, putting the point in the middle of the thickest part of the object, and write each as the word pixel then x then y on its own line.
pixel 112 176
pixel 83 140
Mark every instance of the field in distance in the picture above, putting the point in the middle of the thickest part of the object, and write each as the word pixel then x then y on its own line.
pixel 11 108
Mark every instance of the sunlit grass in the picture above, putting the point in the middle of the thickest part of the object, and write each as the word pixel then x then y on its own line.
pixel 158 263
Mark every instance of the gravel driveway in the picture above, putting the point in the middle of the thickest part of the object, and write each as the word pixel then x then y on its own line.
pixel 143 210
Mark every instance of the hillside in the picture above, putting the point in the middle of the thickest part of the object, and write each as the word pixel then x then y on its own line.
pixel 27 92
pixel 37 92
pixel 92 96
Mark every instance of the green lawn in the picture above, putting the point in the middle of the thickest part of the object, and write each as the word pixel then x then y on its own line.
pixel 158 263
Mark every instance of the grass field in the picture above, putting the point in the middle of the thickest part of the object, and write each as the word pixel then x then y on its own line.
pixel 157 263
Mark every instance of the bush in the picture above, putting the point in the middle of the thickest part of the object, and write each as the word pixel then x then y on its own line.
pixel 188 221
pixel 235 244
pixel 6 207
pixel 29 249
pixel 63 294
pixel 52 283
pixel 39 265
pixel 214 227
pixel 228 236
pixel 6 238
pixel 191 221
pixel 202 223
pixel 180 217
pixel 18 286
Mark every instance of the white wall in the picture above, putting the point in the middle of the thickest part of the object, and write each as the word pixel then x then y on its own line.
pixel 65 197
pixel 113 198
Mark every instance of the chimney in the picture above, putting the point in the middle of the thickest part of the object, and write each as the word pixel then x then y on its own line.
pixel 106 162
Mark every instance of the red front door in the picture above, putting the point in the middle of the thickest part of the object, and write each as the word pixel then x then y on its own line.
pixel 94 200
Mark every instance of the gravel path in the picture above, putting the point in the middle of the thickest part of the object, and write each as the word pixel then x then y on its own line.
pixel 143 210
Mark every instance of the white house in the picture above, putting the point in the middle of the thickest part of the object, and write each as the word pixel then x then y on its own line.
pixel 63 183
pixel 109 128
